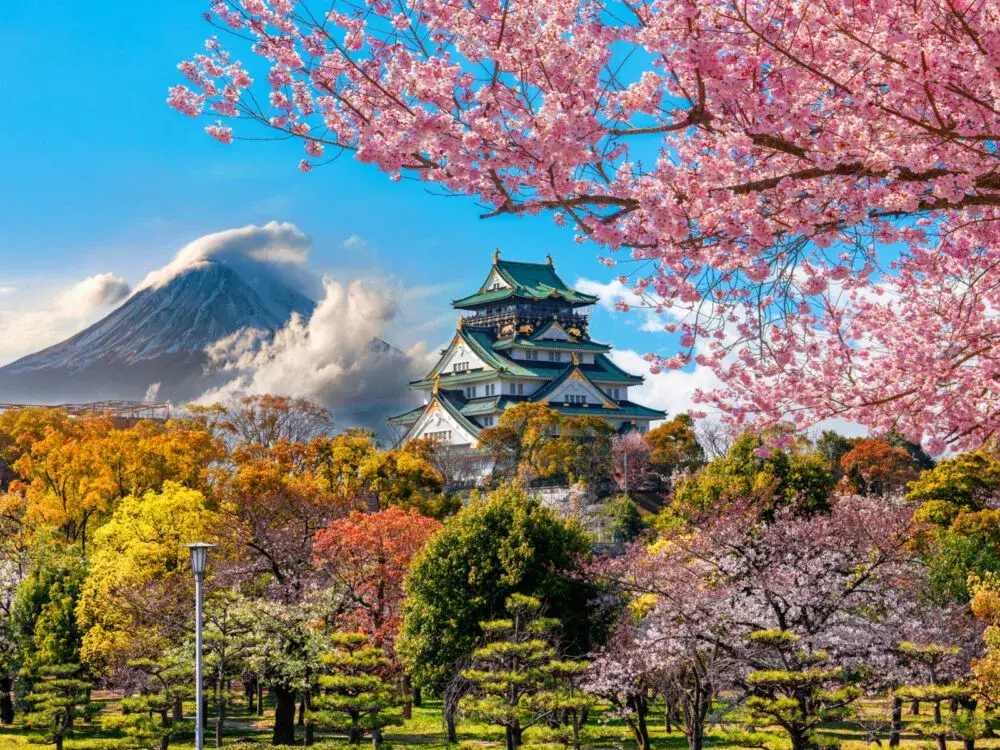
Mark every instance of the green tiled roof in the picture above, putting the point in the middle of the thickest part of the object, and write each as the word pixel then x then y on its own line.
pixel 625 409
pixel 531 281
pixel 602 371
pixel 579 346
pixel 409 417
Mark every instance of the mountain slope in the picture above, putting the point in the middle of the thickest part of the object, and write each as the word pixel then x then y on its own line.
pixel 158 336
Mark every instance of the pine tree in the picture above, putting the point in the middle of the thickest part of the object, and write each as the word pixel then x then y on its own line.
pixel 966 724
pixel 801 695
pixel 59 697
pixel 357 698
pixel 519 682
pixel 146 719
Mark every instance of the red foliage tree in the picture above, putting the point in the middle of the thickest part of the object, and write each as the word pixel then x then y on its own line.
pixel 366 558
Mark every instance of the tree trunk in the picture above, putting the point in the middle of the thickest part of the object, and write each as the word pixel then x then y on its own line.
pixel 59 742
pixel 6 703
pixel 284 716
pixel 220 720
pixel 178 714
pixel 310 726
pixel 897 722
pixel 355 733
pixel 509 739
pixel 165 723
pixel 302 710
pixel 260 697
pixel 694 705
pixel 407 689
pixel 418 697
pixel 449 722
pixel 914 708
pixel 941 739
pixel 637 722
pixel 798 738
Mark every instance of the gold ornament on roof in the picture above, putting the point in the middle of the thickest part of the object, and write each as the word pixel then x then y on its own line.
pixel 526 328
pixel 549 256
pixel 496 256
pixel 576 359
pixel 437 385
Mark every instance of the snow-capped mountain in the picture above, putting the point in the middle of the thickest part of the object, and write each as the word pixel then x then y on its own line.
pixel 158 336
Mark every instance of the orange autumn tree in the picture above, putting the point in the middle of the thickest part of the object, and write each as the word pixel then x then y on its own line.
pixel 875 467
pixel 74 469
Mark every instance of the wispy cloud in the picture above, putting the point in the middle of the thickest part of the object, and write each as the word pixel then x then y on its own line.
pixel 36 317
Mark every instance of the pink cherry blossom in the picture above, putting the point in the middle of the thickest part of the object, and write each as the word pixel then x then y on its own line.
pixel 820 182
pixel 220 133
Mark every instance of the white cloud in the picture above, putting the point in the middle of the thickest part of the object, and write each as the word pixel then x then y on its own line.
pixel 654 318
pixel 337 358
pixel 38 318
pixel 355 243
pixel 671 390
pixel 99 290
pixel 275 246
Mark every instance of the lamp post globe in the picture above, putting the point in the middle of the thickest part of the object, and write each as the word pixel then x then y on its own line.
pixel 199 562
pixel 199 557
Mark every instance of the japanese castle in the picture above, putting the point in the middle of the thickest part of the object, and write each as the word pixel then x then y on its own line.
pixel 522 337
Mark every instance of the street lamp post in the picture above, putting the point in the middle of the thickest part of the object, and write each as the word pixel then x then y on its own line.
pixel 199 560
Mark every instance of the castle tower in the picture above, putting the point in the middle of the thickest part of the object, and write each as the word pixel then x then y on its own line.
pixel 523 336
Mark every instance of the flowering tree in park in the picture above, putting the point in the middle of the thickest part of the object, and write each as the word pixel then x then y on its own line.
pixel 810 190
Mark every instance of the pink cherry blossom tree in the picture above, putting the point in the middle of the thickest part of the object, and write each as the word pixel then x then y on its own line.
pixel 808 191
pixel 845 586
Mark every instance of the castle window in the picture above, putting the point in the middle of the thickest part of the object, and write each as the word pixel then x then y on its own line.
pixel 460 366
pixel 491 389
pixel 554 356
pixel 531 354
pixel 442 436
pixel 576 399
pixel 470 392
pixel 520 389
pixel 487 421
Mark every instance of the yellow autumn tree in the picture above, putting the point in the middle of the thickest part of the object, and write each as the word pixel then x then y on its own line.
pixel 138 585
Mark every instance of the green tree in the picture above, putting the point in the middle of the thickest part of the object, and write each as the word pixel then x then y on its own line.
pixel 148 720
pixel 518 681
pixel 797 475
pixel 966 482
pixel 59 697
pixel 505 544
pixel 801 693
pixel 929 660
pixel 227 641
pixel 284 651
pixel 43 614
pixel 356 699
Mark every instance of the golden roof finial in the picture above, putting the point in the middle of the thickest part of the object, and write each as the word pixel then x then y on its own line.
pixel 549 256
pixel 496 256
pixel 437 384
pixel 576 359
pixel 461 323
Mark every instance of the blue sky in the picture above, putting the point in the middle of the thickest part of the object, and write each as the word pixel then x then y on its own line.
pixel 100 176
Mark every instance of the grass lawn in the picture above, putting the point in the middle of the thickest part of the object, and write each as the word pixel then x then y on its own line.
pixel 425 730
